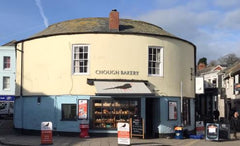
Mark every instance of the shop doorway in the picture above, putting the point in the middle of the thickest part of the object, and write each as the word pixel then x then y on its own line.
pixel 152 117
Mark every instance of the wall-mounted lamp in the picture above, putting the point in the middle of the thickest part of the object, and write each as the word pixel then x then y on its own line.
pixel 39 100
pixel 192 74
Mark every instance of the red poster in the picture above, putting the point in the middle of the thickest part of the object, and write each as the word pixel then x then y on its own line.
pixel 82 109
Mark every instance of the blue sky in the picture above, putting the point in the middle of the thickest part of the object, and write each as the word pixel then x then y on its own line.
pixel 212 25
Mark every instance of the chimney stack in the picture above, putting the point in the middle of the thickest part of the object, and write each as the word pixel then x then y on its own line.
pixel 114 21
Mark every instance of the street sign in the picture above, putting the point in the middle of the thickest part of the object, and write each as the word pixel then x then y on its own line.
pixel 123 133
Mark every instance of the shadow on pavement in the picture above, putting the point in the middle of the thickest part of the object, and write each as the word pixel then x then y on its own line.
pixel 149 144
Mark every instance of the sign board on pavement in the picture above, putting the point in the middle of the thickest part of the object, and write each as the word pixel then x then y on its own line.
pixel 123 133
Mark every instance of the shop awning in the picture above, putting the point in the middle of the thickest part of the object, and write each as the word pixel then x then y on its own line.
pixel 121 88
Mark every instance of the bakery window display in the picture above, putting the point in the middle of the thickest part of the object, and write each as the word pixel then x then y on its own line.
pixel 107 113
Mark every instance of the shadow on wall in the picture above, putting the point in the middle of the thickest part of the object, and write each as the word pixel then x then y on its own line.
pixel 31 111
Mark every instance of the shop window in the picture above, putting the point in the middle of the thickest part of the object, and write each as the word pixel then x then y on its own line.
pixel 155 61
pixel 80 59
pixel 107 113
pixel 69 112
pixel 6 83
pixel 186 112
pixel 3 105
pixel 214 83
pixel 6 62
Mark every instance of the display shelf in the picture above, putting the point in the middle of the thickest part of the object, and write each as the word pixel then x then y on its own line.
pixel 107 113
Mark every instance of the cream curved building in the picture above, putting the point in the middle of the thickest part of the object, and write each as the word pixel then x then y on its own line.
pixel 100 71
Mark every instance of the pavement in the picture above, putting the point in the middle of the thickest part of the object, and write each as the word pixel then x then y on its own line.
pixel 8 136
pixel 26 140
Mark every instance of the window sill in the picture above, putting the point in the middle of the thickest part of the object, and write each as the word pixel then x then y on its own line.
pixel 155 76
pixel 80 74
pixel 68 120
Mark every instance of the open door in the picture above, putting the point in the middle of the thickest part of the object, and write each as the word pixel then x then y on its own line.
pixel 152 117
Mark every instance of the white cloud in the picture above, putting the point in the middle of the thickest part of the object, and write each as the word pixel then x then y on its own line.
pixel 203 27
pixel 231 20
pixel 39 5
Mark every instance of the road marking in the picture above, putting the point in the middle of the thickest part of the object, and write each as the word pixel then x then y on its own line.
pixel 191 143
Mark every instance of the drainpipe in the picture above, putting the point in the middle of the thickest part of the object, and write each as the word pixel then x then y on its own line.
pixel 21 86
pixel 181 103
pixel 21 82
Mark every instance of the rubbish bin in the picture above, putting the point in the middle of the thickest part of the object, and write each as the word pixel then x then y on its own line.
pixel 84 130
pixel 178 132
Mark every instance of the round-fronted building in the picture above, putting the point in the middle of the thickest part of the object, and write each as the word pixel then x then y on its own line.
pixel 101 71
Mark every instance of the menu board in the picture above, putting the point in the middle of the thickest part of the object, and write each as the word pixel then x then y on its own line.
pixel 137 127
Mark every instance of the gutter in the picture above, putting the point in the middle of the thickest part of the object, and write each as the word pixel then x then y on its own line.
pixel 21 77
pixel 100 32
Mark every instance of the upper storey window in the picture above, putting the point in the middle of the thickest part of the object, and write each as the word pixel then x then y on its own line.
pixel 80 59
pixel 155 61
pixel 6 62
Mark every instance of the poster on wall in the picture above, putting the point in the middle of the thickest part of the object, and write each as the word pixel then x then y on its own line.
pixel 82 109
pixel 172 110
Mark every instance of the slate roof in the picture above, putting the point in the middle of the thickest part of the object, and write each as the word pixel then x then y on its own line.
pixel 233 69
pixel 101 25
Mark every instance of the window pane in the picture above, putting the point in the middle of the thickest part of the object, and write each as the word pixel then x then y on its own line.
pixel 150 58
pixel 6 83
pixel 150 50
pixel 81 63
pixel 81 56
pixel 81 69
pixel 69 111
pixel 85 49
pixel 76 69
pixel 76 49
pixel 157 71
pixel 76 63
pixel 149 71
pixel 81 49
pixel 85 63
pixel 85 69
pixel 85 55
pixel 6 62
pixel 154 51
pixel 158 55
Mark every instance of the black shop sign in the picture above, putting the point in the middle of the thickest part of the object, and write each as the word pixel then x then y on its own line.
pixel 137 127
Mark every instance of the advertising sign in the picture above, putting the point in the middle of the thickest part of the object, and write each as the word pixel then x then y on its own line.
pixel 123 133
pixel 200 129
pixel 7 98
pixel 172 110
pixel 199 88
pixel 46 133
pixel 82 109
pixel 212 131
pixel 224 131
